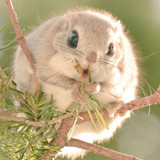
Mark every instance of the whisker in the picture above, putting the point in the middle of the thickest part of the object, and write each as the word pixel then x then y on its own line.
pixel 78 50
pixel 106 60
pixel 145 95
pixel 103 59
pixel 128 70
pixel 150 89
pixel 67 49
pixel 141 58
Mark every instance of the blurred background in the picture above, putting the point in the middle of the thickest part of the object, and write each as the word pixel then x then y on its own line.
pixel 140 135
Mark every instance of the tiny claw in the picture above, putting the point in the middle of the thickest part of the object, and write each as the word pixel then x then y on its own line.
pixel 122 113
pixel 90 88
pixel 115 106
pixel 98 88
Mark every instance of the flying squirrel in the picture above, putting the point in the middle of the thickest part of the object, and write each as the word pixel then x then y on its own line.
pixel 99 43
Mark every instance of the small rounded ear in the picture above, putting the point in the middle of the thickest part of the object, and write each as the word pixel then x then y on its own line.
pixel 68 21
pixel 64 25
pixel 60 26
pixel 118 29
pixel 72 18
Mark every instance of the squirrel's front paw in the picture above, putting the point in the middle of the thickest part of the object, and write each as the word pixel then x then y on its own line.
pixel 92 87
pixel 115 106
pixel 79 93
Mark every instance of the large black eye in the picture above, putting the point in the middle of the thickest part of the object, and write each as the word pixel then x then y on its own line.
pixel 73 40
pixel 110 51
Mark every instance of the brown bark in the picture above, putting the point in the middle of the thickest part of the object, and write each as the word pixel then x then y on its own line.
pixel 19 35
pixel 100 150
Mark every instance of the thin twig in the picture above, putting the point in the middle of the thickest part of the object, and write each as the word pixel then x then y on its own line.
pixel 19 35
pixel 100 150
pixel 37 124
pixel 141 103
pixel 133 105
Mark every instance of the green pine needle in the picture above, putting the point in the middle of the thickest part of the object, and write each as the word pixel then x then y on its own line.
pixel 8 45
pixel 90 79
pixel 5 26
pixel 91 117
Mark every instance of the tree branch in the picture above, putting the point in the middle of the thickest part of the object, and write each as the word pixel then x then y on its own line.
pixel 61 139
pixel 66 126
pixel 100 150
pixel 37 124
pixel 133 105
pixel 19 35
pixel 141 103
pixel 130 106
